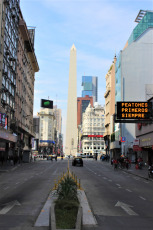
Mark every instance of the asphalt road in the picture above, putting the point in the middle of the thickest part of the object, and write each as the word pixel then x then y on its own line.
pixel 24 191
pixel 119 200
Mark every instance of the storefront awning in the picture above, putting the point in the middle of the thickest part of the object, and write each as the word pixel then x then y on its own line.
pixel 7 137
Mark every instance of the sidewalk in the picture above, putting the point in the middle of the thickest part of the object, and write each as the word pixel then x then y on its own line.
pixel 6 167
pixel 143 173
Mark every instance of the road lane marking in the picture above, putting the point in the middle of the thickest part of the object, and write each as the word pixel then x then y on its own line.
pixel 110 180
pixel 5 188
pixel 126 208
pixel 136 178
pixel 8 207
pixel 142 198
pixel 128 190
pixel 17 183
pixel 118 185
pixel 104 178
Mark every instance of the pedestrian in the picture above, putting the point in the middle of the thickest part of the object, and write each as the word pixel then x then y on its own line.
pixel 112 161
pixel 136 160
pixel 127 163
pixel 115 163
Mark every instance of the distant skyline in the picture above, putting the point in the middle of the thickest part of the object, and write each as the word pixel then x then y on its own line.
pixel 99 29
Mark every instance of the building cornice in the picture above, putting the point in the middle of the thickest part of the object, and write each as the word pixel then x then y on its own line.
pixel 28 44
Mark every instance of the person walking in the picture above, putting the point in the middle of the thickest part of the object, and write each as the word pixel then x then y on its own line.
pixel 127 163
pixel 115 163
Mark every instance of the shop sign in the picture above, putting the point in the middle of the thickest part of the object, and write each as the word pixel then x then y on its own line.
pixel 137 148
pixel 3 120
pixel 2 149
pixel 136 142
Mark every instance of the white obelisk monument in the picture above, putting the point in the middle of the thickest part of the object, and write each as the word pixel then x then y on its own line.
pixel 71 124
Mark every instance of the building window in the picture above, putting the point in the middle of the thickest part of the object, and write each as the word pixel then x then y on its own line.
pixel 8 101
pixel 7 85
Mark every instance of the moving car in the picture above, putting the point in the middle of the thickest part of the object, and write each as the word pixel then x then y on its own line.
pixel 77 161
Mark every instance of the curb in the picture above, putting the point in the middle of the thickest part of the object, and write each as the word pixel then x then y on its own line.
pixel 143 177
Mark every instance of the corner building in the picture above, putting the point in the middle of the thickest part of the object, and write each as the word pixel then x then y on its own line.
pixel 17 76
pixel 46 131
pixel 93 129
pixel 82 104
pixel 134 73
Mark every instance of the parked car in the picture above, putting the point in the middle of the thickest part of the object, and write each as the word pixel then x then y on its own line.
pixel 83 156
pixel 53 156
pixel 77 161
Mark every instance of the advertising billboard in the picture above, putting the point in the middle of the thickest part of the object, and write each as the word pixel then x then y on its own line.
pixel 46 104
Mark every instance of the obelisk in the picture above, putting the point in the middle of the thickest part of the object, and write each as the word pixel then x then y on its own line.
pixel 71 123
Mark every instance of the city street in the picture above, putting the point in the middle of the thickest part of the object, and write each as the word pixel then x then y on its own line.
pixel 118 200
pixel 24 191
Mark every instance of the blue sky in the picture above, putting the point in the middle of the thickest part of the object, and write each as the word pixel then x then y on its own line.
pixel 97 28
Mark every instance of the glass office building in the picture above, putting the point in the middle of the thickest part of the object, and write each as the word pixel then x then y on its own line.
pixel 90 87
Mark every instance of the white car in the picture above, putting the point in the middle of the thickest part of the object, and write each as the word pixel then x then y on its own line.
pixel 69 156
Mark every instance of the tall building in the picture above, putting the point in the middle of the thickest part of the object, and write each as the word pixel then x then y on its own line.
pixel 9 25
pixel 58 117
pixel 58 121
pixel 93 129
pixel 109 104
pixel 82 104
pixel 71 123
pixel 90 87
pixel 46 131
pixel 17 76
pixel 25 79
pixel 134 73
